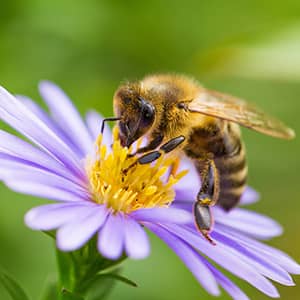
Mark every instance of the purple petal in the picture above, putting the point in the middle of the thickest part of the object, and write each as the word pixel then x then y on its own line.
pixel 183 205
pixel 136 240
pixel 265 267
pixel 94 122
pixel 42 190
pixel 111 237
pixel 12 167
pixel 162 215
pixel 28 175
pixel 249 196
pixel 45 118
pixel 23 152
pixel 225 259
pixel 74 235
pixel 190 257
pixel 66 115
pixel 234 291
pixel 18 116
pixel 265 251
pixel 52 216
pixel 186 195
pixel 188 187
pixel 248 222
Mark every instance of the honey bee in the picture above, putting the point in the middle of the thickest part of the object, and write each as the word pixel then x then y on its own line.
pixel 176 112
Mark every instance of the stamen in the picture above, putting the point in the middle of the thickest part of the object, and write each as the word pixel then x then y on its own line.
pixel 116 181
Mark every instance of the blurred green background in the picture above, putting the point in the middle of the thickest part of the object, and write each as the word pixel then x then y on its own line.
pixel 247 48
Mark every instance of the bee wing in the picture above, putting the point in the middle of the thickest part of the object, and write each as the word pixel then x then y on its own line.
pixel 236 110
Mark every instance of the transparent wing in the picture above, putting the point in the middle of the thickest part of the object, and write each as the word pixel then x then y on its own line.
pixel 236 110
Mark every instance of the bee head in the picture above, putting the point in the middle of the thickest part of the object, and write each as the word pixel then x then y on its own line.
pixel 136 114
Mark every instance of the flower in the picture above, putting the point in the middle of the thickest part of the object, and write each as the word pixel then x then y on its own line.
pixel 98 190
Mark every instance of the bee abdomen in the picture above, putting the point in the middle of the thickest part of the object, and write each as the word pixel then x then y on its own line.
pixel 221 140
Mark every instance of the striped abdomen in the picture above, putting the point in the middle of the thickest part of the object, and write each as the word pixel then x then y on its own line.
pixel 221 141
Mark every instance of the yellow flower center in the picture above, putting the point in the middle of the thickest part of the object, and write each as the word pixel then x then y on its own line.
pixel 120 183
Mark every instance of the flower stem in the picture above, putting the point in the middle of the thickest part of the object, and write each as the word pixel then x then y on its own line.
pixel 80 270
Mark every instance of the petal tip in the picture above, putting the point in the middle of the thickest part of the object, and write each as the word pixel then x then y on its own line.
pixel 66 246
pixel 139 254
pixel 29 219
pixel 45 86
pixel 109 255
pixel 295 268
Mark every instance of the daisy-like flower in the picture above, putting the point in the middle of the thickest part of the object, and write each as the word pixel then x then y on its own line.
pixel 99 191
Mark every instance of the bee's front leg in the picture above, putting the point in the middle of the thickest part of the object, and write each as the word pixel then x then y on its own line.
pixel 165 148
pixel 154 155
pixel 207 196
pixel 154 143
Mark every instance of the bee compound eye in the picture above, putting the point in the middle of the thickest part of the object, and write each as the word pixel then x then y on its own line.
pixel 148 112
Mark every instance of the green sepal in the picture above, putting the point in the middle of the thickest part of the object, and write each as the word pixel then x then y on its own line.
pixel 117 277
pixel 50 233
pixel 12 286
pixel 66 269
pixel 85 272
pixel 100 289
pixel 101 284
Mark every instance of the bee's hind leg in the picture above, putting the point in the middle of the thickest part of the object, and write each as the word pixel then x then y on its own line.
pixel 204 220
pixel 206 197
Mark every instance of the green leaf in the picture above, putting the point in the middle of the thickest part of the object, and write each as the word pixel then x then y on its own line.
pixel 67 295
pixel 50 289
pixel 12 286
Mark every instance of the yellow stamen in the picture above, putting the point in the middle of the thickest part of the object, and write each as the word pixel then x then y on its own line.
pixel 116 181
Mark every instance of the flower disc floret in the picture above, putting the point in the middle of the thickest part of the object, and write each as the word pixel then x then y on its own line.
pixel 122 184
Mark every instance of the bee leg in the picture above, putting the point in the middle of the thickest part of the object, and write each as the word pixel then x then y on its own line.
pixel 154 155
pixel 204 220
pixel 149 157
pixel 207 196
pixel 172 144
pixel 154 143
pixel 106 120
pixel 165 148
pixel 209 192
